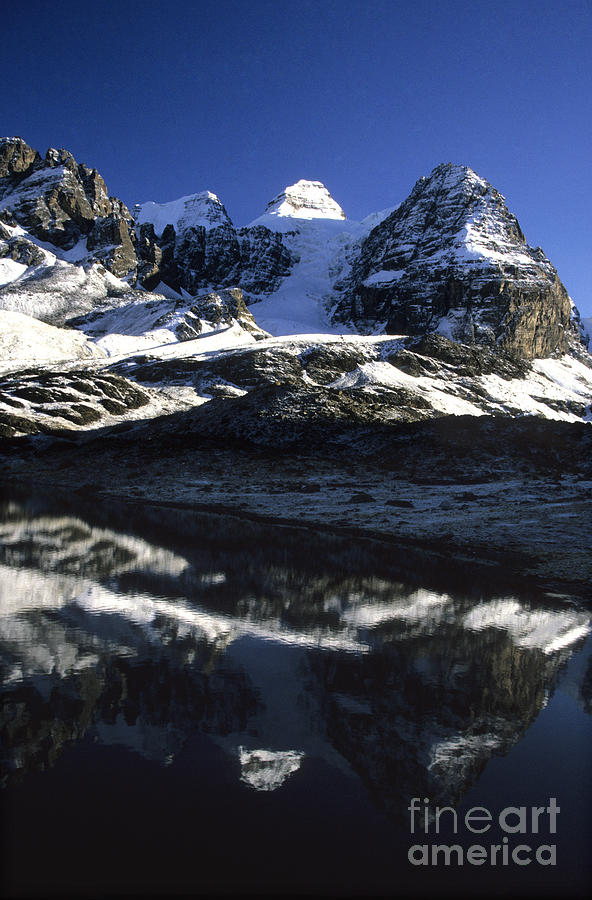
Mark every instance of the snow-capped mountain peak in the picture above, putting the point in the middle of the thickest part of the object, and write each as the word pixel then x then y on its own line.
pixel 203 209
pixel 305 200
pixel 453 259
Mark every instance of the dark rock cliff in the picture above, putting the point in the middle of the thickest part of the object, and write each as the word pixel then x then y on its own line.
pixel 61 202
pixel 453 258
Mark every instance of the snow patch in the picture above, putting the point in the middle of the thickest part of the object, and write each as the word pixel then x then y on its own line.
pixel 385 276
pixel 376 375
pixel 10 270
pixel 25 340
pixel 267 770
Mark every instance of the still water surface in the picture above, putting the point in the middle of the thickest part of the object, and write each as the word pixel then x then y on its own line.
pixel 194 703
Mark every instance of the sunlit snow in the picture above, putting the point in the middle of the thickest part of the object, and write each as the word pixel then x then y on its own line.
pixel 203 209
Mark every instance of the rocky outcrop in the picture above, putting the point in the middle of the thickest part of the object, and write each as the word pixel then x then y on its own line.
pixel 223 308
pixel 216 311
pixel 35 401
pixel 19 249
pixel 16 158
pixel 61 202
pixel 453 259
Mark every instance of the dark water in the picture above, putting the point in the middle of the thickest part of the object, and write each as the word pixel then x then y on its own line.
pixel 192 703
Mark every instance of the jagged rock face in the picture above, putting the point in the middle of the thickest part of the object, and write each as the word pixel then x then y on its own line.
pixel 191 244
pixel 453 258
pixel 110 241
pixel 155 258
pixel 198 258
pixel 61 202
pixel 205 258
pixel 265 259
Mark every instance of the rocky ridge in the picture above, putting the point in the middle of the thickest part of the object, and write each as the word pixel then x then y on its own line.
pixel 187 245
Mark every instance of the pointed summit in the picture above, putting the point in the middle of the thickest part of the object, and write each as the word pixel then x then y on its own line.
pixel 305 200
pixel 452 258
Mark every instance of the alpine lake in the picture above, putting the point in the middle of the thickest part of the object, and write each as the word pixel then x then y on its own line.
pixel 199 703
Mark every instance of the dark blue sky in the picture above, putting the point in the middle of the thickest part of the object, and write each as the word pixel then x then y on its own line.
pixel 242 97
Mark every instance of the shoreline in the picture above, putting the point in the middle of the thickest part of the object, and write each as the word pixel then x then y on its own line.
pixel 535 530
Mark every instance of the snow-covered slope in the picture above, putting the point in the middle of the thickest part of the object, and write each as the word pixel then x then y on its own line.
pixel 143 322
pixel 24 340
pixel 301 302
pixel 318 235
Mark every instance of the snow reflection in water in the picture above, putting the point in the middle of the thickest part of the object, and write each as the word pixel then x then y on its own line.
pixel 280 657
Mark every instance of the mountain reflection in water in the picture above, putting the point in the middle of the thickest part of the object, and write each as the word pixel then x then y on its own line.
pixel 144 629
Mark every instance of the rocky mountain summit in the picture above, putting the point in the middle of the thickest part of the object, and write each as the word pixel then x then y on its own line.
pixel 453 259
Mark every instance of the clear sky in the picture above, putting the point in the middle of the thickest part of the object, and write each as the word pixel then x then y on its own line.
pixel 242 97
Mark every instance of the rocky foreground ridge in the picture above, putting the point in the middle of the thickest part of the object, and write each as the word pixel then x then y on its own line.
pixel 302 323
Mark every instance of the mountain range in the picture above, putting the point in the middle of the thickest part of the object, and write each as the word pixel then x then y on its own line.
pixel 302 319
